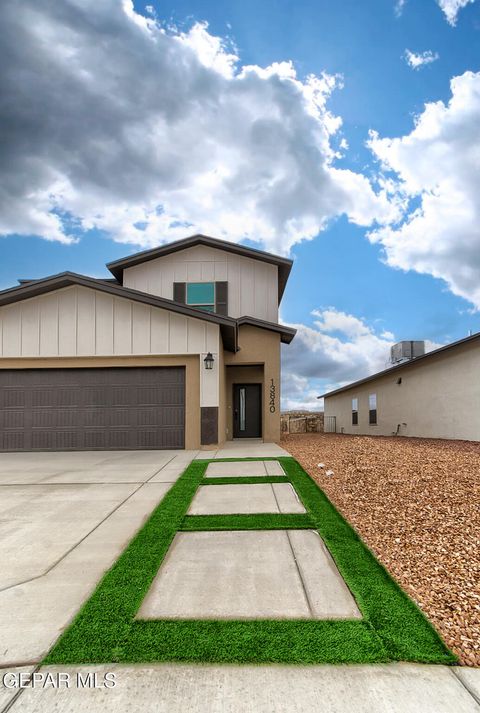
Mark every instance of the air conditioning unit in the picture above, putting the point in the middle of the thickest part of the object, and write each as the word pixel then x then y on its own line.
pixel 406 350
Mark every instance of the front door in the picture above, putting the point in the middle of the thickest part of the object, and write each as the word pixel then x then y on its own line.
pixel 247 410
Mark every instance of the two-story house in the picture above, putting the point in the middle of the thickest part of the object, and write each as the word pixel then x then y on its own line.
pixel 179 349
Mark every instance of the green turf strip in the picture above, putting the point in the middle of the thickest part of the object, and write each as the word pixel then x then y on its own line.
pixel 267 521
pixel 246 480
pixel 105 630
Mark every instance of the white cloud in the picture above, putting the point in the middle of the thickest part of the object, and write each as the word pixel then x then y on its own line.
pixel 299 394
pixel 331 320
pixel 399 7
pixel 148 133
pixel 420 59
pixel 339 348
pixel 437 168
pixel 451 8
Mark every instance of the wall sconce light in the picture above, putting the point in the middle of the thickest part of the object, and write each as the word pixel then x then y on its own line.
pixel 208 361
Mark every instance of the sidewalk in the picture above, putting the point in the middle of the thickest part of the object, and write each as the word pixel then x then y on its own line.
pixel 164 688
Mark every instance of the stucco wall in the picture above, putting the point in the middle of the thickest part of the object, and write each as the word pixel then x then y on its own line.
pixel 262 348
pixel 438 398
pixel 252 284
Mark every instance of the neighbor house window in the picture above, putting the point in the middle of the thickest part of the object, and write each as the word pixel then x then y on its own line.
pixel 372 409
pixel 201 295
pixel 354 412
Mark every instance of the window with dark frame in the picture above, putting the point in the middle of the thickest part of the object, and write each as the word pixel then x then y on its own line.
pixel 372 409
pixel 207 296
pixel 354 412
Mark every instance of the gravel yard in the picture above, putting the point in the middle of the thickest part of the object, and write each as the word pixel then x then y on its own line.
pixel 415 502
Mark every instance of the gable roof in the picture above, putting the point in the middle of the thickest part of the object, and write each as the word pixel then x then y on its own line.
pixel 228 325
pixel 284 264
pixel 403 365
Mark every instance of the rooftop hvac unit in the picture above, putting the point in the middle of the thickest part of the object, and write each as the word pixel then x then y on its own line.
pixel 404 351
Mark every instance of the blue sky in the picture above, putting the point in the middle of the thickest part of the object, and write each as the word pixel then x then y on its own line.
pixel 98 166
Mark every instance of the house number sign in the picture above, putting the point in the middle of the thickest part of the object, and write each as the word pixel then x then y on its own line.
pixel 272 396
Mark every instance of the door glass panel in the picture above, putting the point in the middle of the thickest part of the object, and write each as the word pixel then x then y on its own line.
pixel 242 407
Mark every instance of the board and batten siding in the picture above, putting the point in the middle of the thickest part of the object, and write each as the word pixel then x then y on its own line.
pixel 80 321
pixel 252 284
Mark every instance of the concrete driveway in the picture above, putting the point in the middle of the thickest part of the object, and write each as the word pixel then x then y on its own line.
pixel 64 519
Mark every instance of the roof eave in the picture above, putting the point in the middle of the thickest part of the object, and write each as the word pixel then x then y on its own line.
pixel 286 333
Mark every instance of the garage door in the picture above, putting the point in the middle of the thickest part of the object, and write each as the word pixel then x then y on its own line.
pixel 83 409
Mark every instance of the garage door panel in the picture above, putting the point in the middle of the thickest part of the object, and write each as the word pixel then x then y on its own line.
pixel 48 397
pixel 51 417
pixel 13 441
pixel 57 440
pixel 12 397
pixel 14 419
pixel 76 409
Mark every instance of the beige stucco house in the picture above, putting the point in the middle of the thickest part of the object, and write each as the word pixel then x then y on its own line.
pixel 436 395
pixel 179 349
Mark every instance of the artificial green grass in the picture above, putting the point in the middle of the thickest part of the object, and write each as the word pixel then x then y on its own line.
pixel 267 521
pixel 246 480
pixel 105 630
pixel 260 641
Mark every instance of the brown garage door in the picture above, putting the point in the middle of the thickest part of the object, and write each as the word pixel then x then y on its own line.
pixel 83 409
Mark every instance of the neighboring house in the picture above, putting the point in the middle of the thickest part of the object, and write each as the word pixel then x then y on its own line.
pixel 436 395
pixel 180 349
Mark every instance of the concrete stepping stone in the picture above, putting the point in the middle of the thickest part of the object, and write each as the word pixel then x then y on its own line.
pixel 273 467
pixel 328 595
pixel 237 469
pixel 233 500
pixel 222 575
pixel 248 574
pixel 287 499
pixel 239 499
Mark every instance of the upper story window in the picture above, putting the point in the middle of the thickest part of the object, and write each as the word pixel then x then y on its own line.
pixel 201 295
pixel 354 412
pixel 372 409
pixel 207 296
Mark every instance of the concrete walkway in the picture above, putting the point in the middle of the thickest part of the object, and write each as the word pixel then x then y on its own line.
pixel 245 448
pixel 273 574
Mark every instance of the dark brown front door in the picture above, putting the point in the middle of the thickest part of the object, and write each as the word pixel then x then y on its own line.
pixel 247 410
pixel 86 409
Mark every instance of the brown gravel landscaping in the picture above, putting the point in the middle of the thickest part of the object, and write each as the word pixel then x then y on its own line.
pixel 415 502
